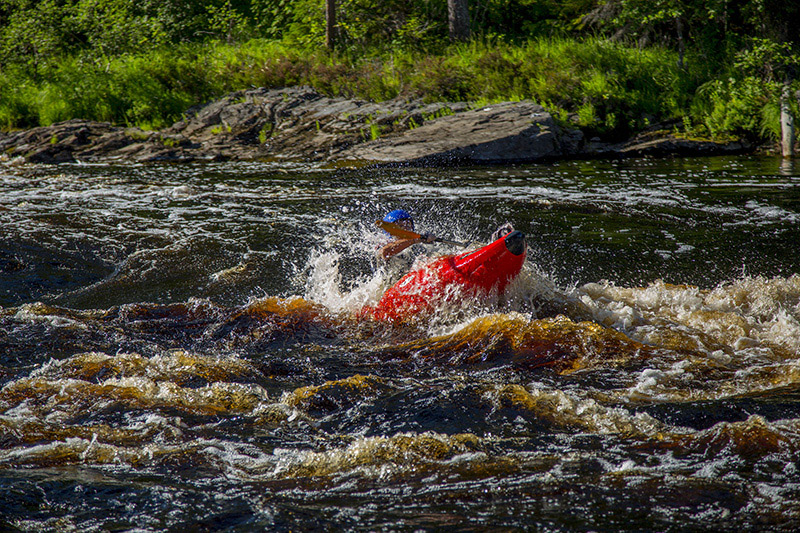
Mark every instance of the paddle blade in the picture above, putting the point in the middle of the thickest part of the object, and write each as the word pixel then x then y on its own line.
pixel 396 231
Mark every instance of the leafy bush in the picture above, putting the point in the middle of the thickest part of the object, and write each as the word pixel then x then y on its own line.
pixel 737 107
pixel 18 106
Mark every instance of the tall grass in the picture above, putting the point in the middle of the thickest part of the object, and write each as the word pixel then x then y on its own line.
pixel 605 87
pixel 149 91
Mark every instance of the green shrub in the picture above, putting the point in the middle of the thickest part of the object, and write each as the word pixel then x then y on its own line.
pixel 18 108
pixel 732 107
pixel 436 78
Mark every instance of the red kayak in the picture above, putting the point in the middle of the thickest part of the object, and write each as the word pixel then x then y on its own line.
pixel 452 277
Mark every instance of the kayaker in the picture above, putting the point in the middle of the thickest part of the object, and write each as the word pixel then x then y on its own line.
pixel 502 231
pixel 403 219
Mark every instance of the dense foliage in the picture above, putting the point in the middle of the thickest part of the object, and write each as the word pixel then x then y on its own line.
pixel 716 67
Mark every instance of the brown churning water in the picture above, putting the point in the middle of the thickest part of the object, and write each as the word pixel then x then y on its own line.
pixel 182 347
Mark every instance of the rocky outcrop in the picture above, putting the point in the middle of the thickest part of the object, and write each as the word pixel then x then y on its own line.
pixel 660 143
pixel 83 140
pixel 301 124
pixel 507 132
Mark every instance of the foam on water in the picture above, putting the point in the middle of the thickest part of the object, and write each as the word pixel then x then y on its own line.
pixel 325 285
pixel 741 315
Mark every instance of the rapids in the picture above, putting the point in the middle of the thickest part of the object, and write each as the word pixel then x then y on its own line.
pixel 181 347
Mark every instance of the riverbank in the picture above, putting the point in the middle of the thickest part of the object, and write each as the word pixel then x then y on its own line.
pixel 299 123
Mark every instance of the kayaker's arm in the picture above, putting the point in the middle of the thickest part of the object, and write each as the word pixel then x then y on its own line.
pixel 397 246
pixel 394 247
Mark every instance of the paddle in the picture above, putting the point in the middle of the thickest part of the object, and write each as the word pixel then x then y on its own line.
pixel 393 229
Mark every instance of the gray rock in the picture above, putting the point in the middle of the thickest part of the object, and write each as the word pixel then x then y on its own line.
pixel 661 143
pixel 501 133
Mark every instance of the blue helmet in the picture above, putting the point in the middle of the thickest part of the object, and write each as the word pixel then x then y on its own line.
pixel 398 214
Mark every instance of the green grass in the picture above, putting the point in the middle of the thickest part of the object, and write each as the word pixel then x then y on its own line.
pixel 607 88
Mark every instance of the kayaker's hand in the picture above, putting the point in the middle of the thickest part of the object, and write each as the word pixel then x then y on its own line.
pixel 427 238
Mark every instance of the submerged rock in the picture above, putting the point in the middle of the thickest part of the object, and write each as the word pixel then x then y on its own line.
pixel 298 123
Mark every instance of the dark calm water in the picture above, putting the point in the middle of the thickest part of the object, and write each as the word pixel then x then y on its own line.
pixel 181 349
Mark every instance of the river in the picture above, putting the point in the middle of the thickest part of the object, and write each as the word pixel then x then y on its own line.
pixel 183 347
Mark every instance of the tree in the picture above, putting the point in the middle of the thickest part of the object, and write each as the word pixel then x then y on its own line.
pixel 458 19
pixel 330 24
pixel 705 26
pixel 787 120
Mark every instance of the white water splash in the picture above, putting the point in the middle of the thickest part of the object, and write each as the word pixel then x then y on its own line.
pixel 325 285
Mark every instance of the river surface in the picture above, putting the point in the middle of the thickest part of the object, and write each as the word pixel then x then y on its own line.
pixel 184 347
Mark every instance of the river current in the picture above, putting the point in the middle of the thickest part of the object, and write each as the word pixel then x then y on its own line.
pixel 183 347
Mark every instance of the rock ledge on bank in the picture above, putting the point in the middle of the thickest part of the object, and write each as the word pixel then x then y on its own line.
pixel 299 124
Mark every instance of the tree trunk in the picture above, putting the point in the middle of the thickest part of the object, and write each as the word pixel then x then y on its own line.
pixel 787 120
pixel 458 19
pixel 330 24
